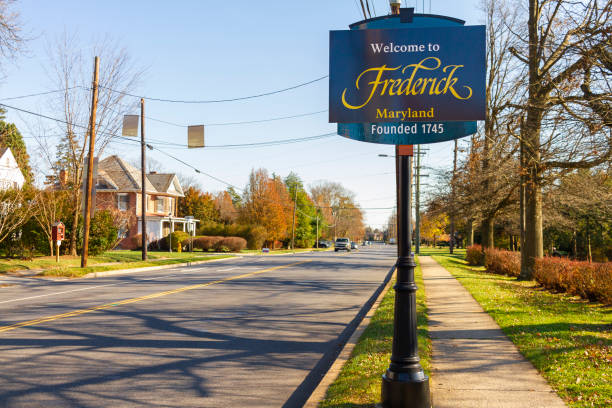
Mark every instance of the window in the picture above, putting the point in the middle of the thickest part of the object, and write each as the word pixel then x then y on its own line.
pixel 122 232
pixel 159 204
pixel 122 202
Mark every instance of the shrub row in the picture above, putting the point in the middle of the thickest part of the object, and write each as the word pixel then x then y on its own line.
pixel 220 244
pixel 592 281
pixel 502 262
pixel 474 255
pixel 255 235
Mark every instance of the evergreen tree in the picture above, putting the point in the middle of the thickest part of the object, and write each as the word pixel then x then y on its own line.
pixel 11 137
pixel 306 213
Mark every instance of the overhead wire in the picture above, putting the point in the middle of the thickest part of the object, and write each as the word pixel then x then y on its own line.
pixel 38 94
pixel 241 98
pixel 178 145
pixel 123 139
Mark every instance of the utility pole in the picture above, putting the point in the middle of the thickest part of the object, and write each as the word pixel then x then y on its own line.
pixel 317 242
pixel 143 170
pixel 417 206
pixel 452 206
pixel 90 163
pixel 293 225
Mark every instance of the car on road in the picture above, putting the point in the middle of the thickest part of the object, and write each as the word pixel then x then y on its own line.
pixel 354 245
pixel 343 244
pixel 324 244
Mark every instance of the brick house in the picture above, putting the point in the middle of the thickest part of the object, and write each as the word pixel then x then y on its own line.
pixel 118 187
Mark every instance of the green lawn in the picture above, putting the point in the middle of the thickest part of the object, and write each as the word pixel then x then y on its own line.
pixel 358 384
pixel 111 260
pixel 567 339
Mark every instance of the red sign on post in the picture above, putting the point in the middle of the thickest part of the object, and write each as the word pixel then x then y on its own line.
pixel 405 150
pixel 57 231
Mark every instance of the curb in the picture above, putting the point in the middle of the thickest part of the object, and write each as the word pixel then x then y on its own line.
pixel 151 268
pixel 319 393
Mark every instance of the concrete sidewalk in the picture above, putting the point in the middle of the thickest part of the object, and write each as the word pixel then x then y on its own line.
pixel 474 363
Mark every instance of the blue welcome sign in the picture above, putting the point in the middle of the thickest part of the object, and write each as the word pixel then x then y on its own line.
pixel 407 75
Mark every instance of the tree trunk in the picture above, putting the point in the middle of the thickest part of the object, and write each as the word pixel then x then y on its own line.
pixel 530 134
pixel 470 232
pixel 75 221
pixel 588 234
pixel 534 247
pixel 488 232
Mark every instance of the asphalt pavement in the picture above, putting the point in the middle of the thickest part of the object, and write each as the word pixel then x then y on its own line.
pixel 247 332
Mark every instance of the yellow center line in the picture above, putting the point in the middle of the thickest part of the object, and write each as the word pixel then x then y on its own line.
pixel 139 299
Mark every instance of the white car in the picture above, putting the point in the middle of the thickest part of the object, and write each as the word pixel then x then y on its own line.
pixel 343 244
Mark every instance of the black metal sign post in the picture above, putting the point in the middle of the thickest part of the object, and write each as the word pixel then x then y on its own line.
pixel 376 95
pixel 405 384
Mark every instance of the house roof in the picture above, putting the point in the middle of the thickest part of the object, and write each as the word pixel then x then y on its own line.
pixel 10 173
pixel 115 174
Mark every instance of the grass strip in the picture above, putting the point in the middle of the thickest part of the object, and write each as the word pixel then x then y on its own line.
pixel 567 339
pixel 358 384
pixel 76 271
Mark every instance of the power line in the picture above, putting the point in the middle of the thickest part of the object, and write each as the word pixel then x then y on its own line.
pixel 39 94
pixel 246 122
pixel 197 170
pixel 242 98
pixel 156 141
pixel 262 144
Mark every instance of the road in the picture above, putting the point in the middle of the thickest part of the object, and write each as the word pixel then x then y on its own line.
pixel 245 332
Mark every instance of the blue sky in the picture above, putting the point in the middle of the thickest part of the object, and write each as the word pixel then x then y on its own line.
pixel 220 49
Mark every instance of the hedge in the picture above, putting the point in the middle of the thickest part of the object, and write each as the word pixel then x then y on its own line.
pixel 220 244
pixel 592 281
pixel 474 255
pixel 502 262
pixel 255 235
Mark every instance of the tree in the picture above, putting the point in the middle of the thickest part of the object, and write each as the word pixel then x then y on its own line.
pixel 11 41
pixel 11 137
pixel 306 213
pixel 224 204
pixel 50 206
pixel 498 168
pixel 433 226
pixel 579 214
pixel 338 206
pixel 198 204
pixel 236 197
pixel 71 71
pixel 15 210
pixel 266 203
pixel 565 48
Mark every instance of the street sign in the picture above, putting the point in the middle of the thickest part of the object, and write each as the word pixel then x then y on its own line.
pixel 407 75
pixel 130 125
pixel 195 136
pixel 405 150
